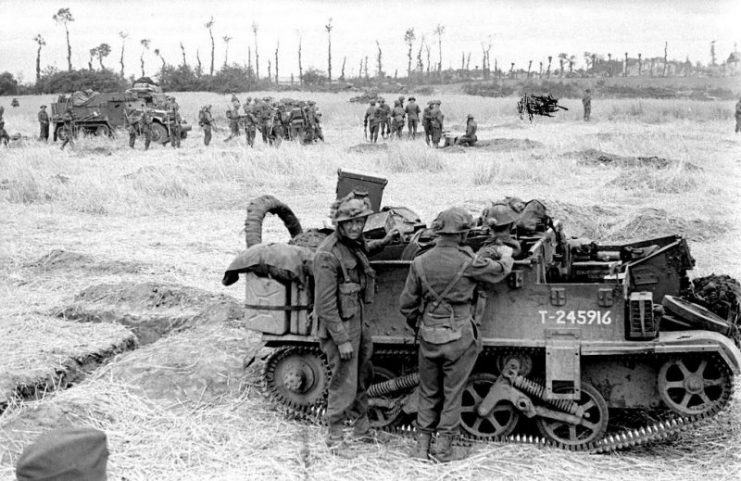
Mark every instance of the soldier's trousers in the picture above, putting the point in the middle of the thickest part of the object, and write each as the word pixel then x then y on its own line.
pixel 147 134
pixel 443 374
pixel 587 112
pixel 437 134
pixel 175 136
pixel 347 397
pixel 132 138
pixel 412 126
pixel 265 131
pixel 297 132
pixel 373 132
pixel 384 127
pixel 250 132
pixel 428 134
pixel 206 134
pixel 738 124
pixel 44 133
pixel 466 141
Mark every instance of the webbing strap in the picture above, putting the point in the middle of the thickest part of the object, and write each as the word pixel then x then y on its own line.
pixel 440 298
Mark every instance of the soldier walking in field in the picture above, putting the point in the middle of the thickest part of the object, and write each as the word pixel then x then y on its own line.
pixel 205 121
pixel 43 124
pixel 344 282
pixel 250 123
pixel 436 123
pixel 232 117
pixel 437 303
pixel 586 101
pixel 383 112
pixel 470 138
pixel 427 121
pixel 68 128
pixel 738 116
pixel 397 120
pixel 370 121
pixel 412 111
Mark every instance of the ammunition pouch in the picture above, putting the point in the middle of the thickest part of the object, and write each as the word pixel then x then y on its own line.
pixel 441 329
pixel 349 299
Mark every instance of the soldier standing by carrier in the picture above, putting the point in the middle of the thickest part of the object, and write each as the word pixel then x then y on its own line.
pixel 68 127
pixel 344 282
pixel 436 302
pixel 412 111
pixel 586 101
pixel 470 138
pixel 175 125
pixel 738 116
pixel 370 121
pixel 43 124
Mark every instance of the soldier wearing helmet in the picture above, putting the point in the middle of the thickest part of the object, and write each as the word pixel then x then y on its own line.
pixel 344 282
pixel 437 303
pixel 412 110
pixel 470 138
pixel 500 217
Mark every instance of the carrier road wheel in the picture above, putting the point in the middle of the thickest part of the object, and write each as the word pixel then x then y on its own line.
pixel 694 385
pixel 590 430
pixel 501 421
pixel 297 377
pixel 383 411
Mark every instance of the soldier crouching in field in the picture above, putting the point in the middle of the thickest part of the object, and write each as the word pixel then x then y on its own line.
pixel 437 303
pixel 344 282
pixel 470 138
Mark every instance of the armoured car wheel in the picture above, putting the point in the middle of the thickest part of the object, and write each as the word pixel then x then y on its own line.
pixel 694 385
pixel 593 425
pixel 385 411
pixel 60 133
pixel 297 377
pixel 159 133
pixel 500 422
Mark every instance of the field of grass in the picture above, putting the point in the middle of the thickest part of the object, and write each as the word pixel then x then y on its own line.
pixel 184 408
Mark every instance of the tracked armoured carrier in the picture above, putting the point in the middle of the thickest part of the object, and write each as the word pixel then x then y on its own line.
pixel 586 346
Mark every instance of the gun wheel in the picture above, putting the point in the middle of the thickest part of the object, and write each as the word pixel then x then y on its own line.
pixel 501 421
pixel 592 427
pixel 693 386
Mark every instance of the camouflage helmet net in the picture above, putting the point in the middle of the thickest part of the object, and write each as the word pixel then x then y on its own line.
pixel 354 205
pixel 454 220
pixel 499 214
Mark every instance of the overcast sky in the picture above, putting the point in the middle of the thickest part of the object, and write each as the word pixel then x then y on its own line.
pixel 519 30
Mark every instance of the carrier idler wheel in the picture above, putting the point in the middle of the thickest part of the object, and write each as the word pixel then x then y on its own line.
pixel 297 377
pixel 694 385
pixel 501 421
pixel 384 411
pixel 590 430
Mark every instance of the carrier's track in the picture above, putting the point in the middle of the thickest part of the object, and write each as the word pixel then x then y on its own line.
pixel 314 411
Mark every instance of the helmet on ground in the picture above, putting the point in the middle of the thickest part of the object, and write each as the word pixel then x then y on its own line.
pixel 354 205
pixel 454 220
pixel 497 215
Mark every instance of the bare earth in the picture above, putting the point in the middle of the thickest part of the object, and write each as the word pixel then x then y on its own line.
pixel 100 230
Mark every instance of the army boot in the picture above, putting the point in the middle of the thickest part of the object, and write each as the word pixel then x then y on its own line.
pixel 423 446
pixel 445 452
pixel 335 438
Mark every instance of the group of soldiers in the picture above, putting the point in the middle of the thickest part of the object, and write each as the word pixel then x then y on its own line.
pixel 286 119
pixel 139 123
pixel 381 119
pixel 436 301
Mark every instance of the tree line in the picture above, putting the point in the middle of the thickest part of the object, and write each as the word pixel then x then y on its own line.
pixel 421 67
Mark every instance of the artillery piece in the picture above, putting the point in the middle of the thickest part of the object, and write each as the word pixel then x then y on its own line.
pixel 578 334
pixel 544 105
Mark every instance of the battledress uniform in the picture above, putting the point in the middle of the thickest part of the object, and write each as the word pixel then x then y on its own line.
pixel 412 111
pixel 436 124
pixel 587 103
pixel 146 128
pixel 371 122
pixel 437 297
pixel 343 283
pixel 43 124
pixel 470 138
pixel 738 116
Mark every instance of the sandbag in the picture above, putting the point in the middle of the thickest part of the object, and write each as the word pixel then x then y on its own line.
pixel 283 262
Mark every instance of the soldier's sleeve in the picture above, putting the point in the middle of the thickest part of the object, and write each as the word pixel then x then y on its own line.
pixel 374 247
pixel 410 299
pixel 325 296
pixel 487 270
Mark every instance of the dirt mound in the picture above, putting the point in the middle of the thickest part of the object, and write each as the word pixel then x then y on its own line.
pixel 496 145
pixel 651 222
pixel 151 310
pixel 196 366
pixel 591 222
pixel 598 157
pixel 59 259
pixel 361 148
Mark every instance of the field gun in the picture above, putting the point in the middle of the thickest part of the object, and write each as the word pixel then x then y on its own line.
pixel 544 105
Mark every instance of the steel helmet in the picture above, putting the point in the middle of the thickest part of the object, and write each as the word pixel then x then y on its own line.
pixel 454 220
pixel 354 205
pixel 498 215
